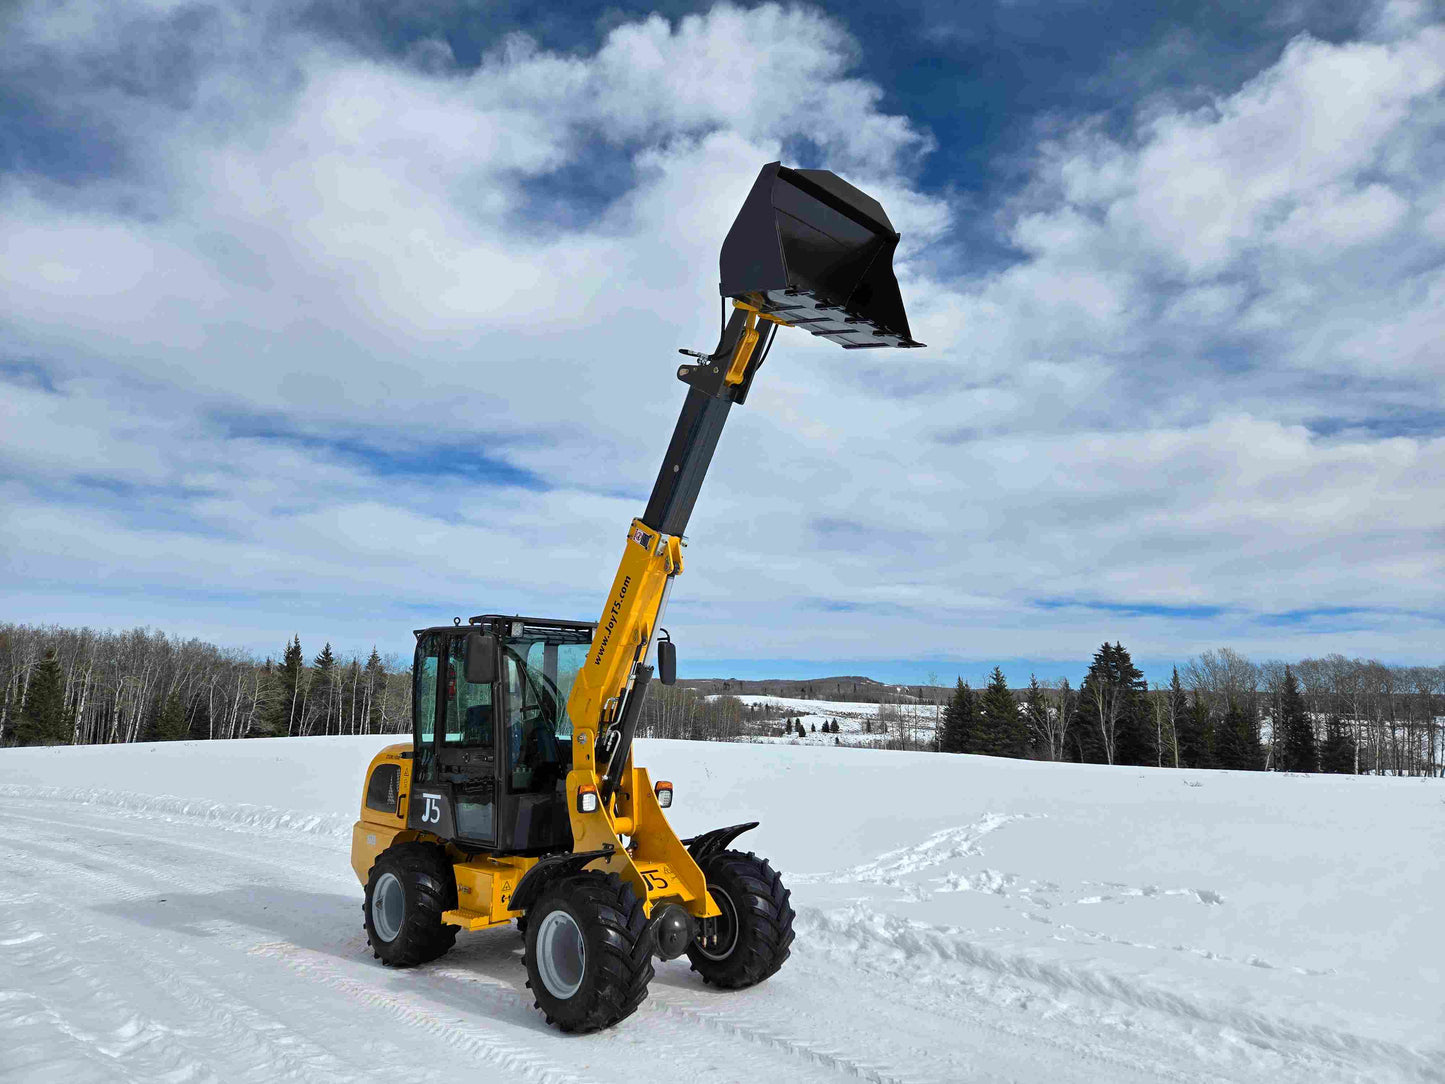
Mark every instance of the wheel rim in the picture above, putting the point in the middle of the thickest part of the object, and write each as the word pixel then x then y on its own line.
pixel 727 926
pixel 388 906
pixel 561 954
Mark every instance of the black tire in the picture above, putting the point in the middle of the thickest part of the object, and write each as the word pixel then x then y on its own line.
pixel 607 979
pixel 403 915
pixel 755 932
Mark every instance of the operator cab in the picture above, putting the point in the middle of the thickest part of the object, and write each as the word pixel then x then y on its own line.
pixel 491 757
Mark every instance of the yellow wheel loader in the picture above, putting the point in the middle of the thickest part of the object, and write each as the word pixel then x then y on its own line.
pixel 517 798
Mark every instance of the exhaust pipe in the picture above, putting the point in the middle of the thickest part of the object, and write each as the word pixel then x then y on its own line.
pixel 812 250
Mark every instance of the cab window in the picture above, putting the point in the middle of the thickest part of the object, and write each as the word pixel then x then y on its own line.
pixel 425 667
pixel 468 706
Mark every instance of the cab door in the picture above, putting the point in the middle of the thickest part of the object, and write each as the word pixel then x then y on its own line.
pixel 467 748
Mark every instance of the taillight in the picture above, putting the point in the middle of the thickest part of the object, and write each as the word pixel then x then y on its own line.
pixel 587 801
pixel 663 790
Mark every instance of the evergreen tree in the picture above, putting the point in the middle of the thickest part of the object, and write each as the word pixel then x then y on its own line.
pixel 1294 734
pixel 1236 741
pixel 801 732
pixel 1036 714
pixel 960 722
pixel 1178 713
pixel 42 719
pixel 813 727
pixel 285 706
pixel 836 741
pixel 324 683
pixel 1112 724
pixel 1337 753
pixel 1002 731
pixel 171 722
pixel 1196 735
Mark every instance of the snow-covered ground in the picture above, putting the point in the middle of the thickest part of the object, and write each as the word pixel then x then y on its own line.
pixel 185 912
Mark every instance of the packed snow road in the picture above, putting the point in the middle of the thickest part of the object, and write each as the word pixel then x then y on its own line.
pixel 156 926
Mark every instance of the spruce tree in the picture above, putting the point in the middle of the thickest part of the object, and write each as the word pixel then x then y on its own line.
pixel 960 722
pixel 42 719
pixel 325 665
pixel 1113 712
pixel 1178 712
pixel 1196 735
pixel 1337 753
pixel 801 732
pixel 1003 732
pixel 171 722
pixel 284 715
pixel 1036 714
pixel 1294 734
pixel 1236 741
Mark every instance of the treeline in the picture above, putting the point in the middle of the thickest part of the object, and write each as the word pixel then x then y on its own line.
pixel 62 686
pixel 88 687
pixel 675 711
pixel 1220 710
pixel 1330 714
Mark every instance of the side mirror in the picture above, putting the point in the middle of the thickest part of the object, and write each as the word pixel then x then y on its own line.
pixel 666 662
pixel 481 661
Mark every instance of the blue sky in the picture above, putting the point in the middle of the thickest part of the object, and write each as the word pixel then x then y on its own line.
pixel 341 318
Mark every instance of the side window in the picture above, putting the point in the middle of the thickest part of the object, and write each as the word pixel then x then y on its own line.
pixel 469 707
pixel 424 706
pixel 424 699
pixel 381 791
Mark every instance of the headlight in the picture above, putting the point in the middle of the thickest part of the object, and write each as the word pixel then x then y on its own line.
pixel 587 801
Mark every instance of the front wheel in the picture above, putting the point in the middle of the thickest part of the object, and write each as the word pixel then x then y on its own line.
pixel 589 952
pixel 755 931
pixel 410 886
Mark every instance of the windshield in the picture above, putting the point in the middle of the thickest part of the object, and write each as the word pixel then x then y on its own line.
pixel 539 668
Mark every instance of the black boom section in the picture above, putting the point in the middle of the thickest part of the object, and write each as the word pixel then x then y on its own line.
pixel 685 466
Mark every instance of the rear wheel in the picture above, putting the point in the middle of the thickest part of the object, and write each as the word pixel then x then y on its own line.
pixel 588 954
pixel 410 886
pixel 755 930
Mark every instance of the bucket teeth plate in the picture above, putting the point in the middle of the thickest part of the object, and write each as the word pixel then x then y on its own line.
pixel 827 319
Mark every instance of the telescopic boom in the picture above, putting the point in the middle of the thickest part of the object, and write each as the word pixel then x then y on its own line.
pixel 807 250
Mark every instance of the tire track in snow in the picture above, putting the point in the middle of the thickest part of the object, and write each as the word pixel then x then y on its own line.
pixel 734 1025
pixel 858 929
pixel 456 1032
pixel 506 1056
pixel 258 1037
pixel 99 964
pixel 501 1000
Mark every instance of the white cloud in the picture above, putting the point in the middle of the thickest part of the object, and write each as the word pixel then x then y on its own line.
pixel 367 249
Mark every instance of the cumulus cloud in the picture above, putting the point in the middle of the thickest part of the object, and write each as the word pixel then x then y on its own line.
pixel 295 267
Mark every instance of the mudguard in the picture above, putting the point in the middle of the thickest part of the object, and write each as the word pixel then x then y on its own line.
pixel 549 869
pixel 707 844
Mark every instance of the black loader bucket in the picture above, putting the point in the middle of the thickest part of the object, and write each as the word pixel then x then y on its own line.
pixel 815 252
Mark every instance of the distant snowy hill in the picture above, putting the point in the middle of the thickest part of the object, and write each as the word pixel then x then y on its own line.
pixel 185 912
